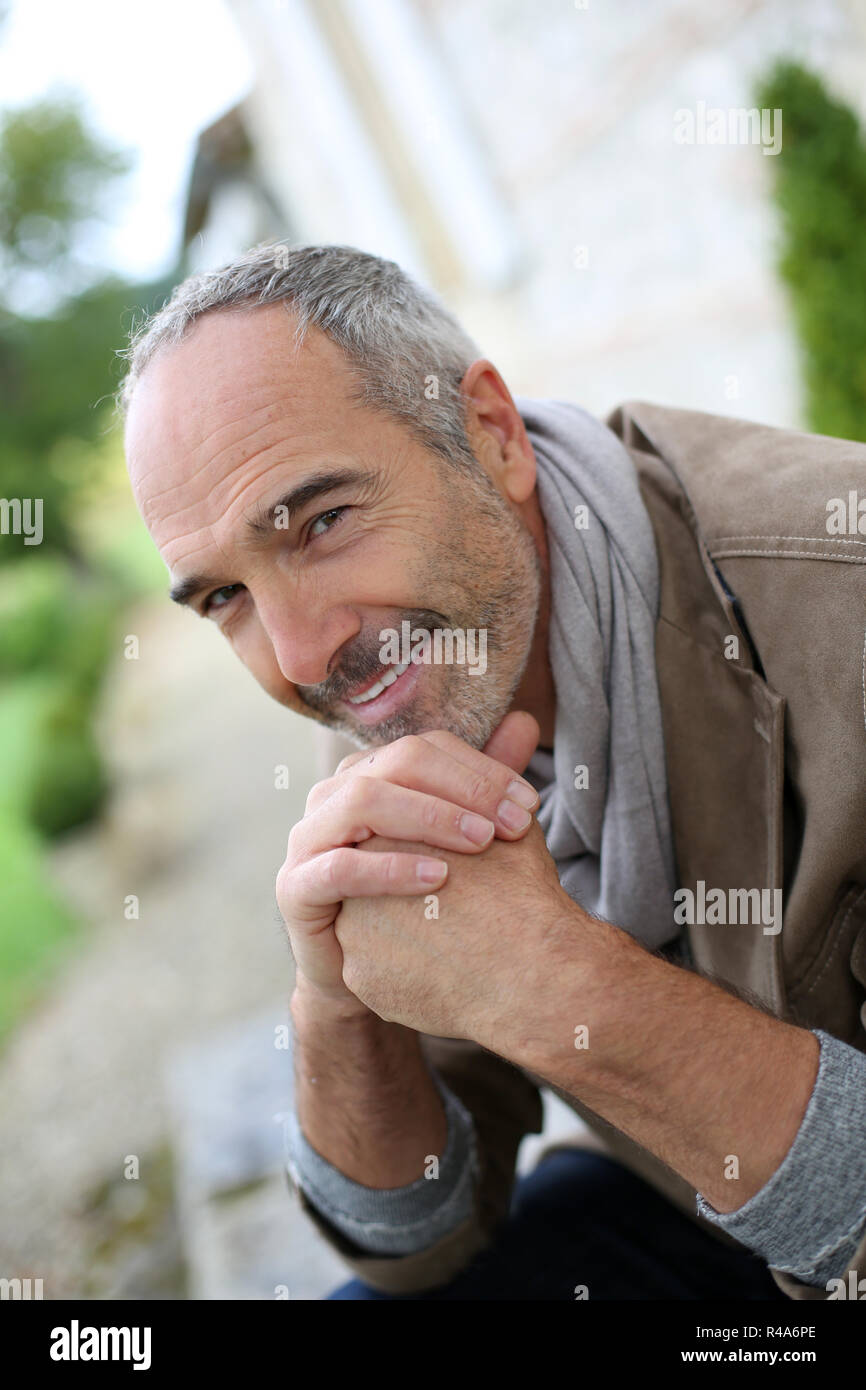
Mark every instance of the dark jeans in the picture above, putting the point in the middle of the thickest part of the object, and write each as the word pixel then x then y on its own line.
pixel 581 1219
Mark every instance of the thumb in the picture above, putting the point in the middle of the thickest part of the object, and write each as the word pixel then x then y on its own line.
pixel 514 741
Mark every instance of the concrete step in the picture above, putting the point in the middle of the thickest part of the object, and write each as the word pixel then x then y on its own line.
pixel 243 1234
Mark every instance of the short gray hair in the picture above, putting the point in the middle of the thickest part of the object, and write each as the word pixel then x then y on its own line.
pixel 408 351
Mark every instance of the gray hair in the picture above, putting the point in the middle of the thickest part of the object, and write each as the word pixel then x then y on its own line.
pixel 408 351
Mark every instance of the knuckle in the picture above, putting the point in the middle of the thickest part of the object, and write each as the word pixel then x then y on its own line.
pixel 296 852
pixel 411 747
pixel 480 788
pixel 318 793
pixel 333 867
pixel 430 813
pixel 393 867
pixel 283 885
pixel 362 792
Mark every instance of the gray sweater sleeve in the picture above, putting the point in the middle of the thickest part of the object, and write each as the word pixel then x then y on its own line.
pixel 812 1241
pixel 810 1217
pixel 398 1220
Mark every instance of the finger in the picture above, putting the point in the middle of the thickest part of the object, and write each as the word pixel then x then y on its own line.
pixel 349 761
pixel 515 740
pixel 321 791
pixel 441 764
pixel 517 744
pixel 511 744
pixel 366 806
pixel 353 873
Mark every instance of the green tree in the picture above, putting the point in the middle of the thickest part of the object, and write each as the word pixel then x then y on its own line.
pixel 55 368
pixel 54 174
pixel 820 192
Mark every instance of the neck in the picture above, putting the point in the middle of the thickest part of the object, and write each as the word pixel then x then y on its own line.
pixel 537 692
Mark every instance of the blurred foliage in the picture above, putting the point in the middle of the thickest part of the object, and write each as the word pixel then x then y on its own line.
pixel 65 630
pixel 30 615
pixel 34 924
pixel 57 377
pixel 820 191
pixel 53 174
pixel 69 780
pixel 35 927
pixel 60 601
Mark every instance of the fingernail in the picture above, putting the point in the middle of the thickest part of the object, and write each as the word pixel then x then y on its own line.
pixel 478 829
pixel 523 793
pixel 513 816
pixel 431 870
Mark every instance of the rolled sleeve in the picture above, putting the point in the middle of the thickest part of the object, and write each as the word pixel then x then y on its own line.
pixel 808 1221
pixel 504 1105
pixel 401 1220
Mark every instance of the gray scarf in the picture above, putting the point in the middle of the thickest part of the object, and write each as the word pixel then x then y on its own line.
pixel 611 840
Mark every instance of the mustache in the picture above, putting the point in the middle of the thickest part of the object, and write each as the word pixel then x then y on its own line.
pixel 360 661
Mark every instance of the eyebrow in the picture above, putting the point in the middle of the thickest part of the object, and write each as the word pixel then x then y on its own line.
pixel 260 526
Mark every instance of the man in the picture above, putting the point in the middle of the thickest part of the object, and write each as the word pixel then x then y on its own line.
pixel 674 682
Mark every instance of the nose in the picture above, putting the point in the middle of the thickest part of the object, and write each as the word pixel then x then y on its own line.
pixel 305 639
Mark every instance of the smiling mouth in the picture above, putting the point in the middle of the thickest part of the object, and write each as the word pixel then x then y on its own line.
pixel 389 692
pixel 372 692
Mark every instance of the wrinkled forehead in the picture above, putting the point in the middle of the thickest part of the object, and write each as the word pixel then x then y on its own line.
pixel 229 396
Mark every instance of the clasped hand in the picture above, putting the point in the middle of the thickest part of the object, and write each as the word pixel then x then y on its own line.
pixel 444 955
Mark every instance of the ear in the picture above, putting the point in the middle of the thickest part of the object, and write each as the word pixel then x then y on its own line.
pixel 497 432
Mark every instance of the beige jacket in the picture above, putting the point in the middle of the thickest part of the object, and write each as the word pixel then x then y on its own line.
pixel 766 760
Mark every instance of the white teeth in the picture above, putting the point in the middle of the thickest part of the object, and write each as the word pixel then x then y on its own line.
pixel 381 684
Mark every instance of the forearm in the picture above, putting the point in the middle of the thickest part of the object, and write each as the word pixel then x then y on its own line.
pixel 364 1096
pixel 809 1220
pixel 712 1086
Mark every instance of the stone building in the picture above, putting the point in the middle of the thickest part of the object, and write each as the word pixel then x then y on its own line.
pixel 528 161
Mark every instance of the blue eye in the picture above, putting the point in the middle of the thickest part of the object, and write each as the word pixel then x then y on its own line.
pixel 333 512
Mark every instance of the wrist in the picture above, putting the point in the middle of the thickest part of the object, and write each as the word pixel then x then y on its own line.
pixel 312 1006
pixel 573 991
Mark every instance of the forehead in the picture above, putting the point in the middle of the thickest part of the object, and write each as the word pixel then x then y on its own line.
pixel 231 398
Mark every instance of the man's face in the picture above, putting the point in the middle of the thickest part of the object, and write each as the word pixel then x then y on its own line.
pixel 304 525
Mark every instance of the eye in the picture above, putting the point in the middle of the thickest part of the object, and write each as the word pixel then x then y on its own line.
pixel 323 517
pixel 220 598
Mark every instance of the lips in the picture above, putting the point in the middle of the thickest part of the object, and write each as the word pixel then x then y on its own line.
pixel 383 700
pixel 373 691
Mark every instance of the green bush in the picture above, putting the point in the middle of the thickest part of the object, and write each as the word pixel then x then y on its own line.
pixel 56 631
pixel 31 613
pixel 83 640
pixel 820 191
pixel 68 782
pixel 34 925
pixel 24 705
